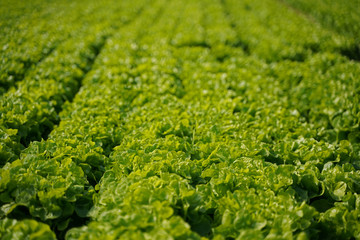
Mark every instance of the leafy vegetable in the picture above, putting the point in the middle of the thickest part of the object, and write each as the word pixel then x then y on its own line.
pixel 220 120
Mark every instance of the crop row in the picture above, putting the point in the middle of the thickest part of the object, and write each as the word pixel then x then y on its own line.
pixel 30 112
pixel 229 158
pixel 31 37
pixel 213 121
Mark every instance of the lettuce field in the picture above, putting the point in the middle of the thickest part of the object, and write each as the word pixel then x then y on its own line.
pixel 180 119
